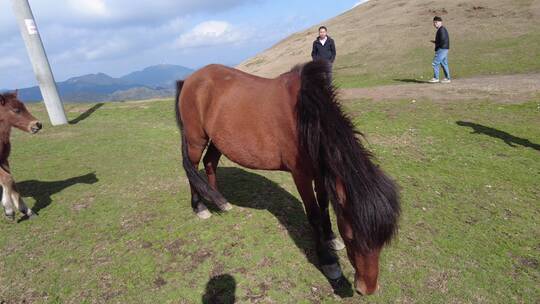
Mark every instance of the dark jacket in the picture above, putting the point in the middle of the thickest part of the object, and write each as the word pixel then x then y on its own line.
pixel 326 51
pixel 442 39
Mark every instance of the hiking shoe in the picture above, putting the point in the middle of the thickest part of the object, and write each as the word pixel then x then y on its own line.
pixel 446 81
pixel 434 80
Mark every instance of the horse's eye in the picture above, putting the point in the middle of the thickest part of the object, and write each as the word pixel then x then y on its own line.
pixel 17 110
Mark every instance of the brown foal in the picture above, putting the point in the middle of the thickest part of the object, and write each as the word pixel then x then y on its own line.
pixel 292 123
pixel 13 113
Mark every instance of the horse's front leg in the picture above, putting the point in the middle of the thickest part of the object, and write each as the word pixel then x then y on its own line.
pixel 9 211
pixel 11 199
pixel 327 259
pixel 329 236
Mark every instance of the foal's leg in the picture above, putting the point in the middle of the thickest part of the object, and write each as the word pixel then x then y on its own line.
pixel 195 153
pixel 329 236
pixel 19 203
pixel 11 199
pixel 328 260
pixel 211 161
pixel 6 203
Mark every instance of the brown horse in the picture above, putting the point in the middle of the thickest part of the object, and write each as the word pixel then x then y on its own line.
pixel 292 123
pixel 13 113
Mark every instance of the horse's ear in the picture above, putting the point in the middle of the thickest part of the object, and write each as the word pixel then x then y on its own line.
pixel 16 93
pixel 2 100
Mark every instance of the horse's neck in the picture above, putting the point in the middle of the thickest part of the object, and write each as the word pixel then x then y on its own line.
pixel 5 133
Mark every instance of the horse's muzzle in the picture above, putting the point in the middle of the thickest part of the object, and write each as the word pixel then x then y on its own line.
pixel 36 127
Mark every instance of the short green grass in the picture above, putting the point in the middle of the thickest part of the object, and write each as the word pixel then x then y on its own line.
pixel 467 58
pixel 115 224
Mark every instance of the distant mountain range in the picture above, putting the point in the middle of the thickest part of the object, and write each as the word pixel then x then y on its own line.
pixel 152 82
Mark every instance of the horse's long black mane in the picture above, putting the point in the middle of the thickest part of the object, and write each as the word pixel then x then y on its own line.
pixel 330 139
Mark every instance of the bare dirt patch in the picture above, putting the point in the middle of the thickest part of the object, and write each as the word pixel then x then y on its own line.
pixel 504 89
pixel 438 281
pixel 258 296
pixel 159 282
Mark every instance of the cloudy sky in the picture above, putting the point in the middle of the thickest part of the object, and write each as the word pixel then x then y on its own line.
pixel 120 36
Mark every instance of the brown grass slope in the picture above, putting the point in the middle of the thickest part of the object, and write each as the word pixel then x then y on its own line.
pixel 383 41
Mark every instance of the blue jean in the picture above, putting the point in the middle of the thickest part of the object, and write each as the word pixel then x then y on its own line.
pixel 441 59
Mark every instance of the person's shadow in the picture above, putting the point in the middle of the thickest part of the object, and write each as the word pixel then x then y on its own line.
pixel 86 114
pixel 42 191
pixel 410 80
pixel 508 138
pixel 249 190
pixel 220 289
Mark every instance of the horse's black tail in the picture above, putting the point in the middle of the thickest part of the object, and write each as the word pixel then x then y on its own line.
pixel 329 138
pixel 200 184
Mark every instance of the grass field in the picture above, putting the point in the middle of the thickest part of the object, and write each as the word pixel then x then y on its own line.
pixel 115 224
pixel 467 58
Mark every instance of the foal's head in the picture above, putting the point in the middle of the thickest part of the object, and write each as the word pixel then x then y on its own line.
pixel 14 114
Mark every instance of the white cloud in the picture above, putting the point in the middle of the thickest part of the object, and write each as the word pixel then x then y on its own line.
pixel 211 33
pixel 89 7
pixel 106 50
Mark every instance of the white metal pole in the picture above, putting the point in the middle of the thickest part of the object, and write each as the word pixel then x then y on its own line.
pixel 40 63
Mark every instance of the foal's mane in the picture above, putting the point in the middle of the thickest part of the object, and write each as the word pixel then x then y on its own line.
pixel 333 144
pixel 8 95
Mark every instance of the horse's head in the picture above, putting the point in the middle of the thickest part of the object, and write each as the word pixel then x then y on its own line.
pixel 15 114
pixel 366 225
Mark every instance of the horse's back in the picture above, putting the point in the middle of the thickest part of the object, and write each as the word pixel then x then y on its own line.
pixel 250 119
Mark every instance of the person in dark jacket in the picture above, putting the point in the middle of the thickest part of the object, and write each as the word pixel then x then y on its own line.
pixel 442 46
pixel 324 48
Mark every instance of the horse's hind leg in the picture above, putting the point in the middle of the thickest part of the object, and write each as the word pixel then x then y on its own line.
pixel 195 154
pixel 211 161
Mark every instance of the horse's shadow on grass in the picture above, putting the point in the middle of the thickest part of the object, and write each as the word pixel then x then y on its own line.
pixel 43 191
pixel 508 138
pixel 249 190
pixel 86 114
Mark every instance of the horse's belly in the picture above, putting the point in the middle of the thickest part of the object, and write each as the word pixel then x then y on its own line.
pixel 260 156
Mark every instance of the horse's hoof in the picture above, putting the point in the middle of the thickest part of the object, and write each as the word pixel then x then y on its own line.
pixel 332 272
pixel 202 212
pixel 225 207
pixel 31 215
pixel 204 215
pixel 336 244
